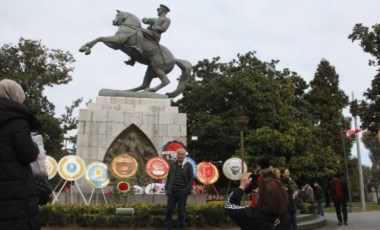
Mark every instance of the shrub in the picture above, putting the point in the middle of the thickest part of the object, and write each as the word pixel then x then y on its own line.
pixel 146 215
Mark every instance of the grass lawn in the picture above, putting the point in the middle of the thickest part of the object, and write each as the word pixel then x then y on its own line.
pixel 369 206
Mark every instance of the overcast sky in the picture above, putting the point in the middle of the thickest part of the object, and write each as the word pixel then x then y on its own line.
pixel 298 33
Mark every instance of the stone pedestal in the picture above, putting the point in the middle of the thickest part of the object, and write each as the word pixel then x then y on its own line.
pixel 105 119
pixel 108 117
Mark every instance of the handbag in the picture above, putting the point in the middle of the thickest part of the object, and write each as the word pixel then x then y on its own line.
pixel 44 188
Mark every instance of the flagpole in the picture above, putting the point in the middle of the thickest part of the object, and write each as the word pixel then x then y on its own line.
pixel 361 184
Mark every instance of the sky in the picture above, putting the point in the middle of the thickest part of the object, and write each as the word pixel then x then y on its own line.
pixel 298 33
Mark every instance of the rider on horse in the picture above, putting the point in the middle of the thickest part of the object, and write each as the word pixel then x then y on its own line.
pixel 157 26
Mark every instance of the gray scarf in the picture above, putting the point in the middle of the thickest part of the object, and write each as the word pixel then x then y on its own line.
pixel 12 91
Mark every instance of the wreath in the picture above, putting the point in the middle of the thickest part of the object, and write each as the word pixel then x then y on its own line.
pixel 122 187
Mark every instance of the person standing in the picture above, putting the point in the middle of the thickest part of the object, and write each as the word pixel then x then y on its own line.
pixel 271 208
pixel 293 193
pixel 319 198
pixel 339 193
pixel 309 194
pixel 156 27
pixel 263 170
pixel 18 193
pixel 178 186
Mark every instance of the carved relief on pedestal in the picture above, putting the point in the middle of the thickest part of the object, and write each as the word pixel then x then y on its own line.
pixel 136 144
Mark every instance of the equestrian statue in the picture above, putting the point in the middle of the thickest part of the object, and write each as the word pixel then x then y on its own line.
pixel 142 45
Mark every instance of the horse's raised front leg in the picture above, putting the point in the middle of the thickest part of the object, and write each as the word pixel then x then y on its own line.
pixel 149 75
pixel 160 73
pixel 113 42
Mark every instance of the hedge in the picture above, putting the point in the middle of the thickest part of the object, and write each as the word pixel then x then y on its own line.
pixel 146 215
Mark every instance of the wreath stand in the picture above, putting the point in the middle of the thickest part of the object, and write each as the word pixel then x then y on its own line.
pixel 228 188
pixel 71 192
pixel 92 193
pixel 205 185
pixel 55 196
pixel 197 192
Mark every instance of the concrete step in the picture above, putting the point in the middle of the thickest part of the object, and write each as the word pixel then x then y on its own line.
pixel 305 217
pixel 311 221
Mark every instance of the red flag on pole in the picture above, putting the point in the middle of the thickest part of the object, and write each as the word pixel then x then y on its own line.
pixel 351 132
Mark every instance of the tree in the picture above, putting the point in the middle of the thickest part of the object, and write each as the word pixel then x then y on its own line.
pixel 36 67
pixel 328 101
pixel 279 116
pixel 368 109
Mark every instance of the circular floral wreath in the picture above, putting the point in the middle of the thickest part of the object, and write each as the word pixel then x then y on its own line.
pixel 122 187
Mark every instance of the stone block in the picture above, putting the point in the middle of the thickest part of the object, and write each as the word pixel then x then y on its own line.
pixel 88 153
pixel 135 118
pixel 100 115
pixel 174 130
pixel 183 130
pixel 171 109
pixel 101 154
pixel 116 129
pixel 127 108
pixel 83 140
pixel 166 118
pixel 94 106
pixel 81 127
pixel 85 115
pixel 95 140
pixel 118 100
pixel 161 130
pixel 103 100
pixel 115 116
pixel 180 118
pixel 150 118
pixel 101 127
pixel 141 108
pixel 133 101
pixel 90 128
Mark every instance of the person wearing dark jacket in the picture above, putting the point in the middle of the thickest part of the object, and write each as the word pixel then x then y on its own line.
pixel 178 186
pixel 293 195
pixel 271 211
pixel 339 192
pixel 18 194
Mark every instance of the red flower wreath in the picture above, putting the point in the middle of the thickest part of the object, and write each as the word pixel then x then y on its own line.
pixel 174 146
pixel 123 186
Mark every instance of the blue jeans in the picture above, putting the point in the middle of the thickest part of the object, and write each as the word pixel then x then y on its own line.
pixel 320 207
pixel 177 197
pixel 293 219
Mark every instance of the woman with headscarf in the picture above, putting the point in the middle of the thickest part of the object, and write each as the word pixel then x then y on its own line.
pixel 18 194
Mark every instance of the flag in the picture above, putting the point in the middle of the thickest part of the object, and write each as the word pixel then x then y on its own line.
pixel 352 131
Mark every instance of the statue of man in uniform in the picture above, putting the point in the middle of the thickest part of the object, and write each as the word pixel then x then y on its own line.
pixel 156 27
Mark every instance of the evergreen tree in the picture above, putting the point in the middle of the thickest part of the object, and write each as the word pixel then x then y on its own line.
pixel 327 101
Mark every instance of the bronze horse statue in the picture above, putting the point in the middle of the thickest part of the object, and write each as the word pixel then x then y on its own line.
pixel 158 58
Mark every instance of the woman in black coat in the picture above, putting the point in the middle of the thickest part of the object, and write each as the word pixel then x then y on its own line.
pixel 270 212
pixel 18 194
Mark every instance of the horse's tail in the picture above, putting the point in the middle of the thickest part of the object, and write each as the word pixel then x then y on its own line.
pixel 185 77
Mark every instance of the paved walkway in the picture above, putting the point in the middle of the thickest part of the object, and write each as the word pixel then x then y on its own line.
pixel 356 220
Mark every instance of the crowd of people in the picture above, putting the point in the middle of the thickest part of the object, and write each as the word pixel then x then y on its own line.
pixel 275 188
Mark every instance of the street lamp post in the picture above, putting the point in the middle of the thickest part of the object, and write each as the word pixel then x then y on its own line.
pixel 346 166
pixel 272 70
pixel 194 139
pixel 66 136
pixel 241 123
